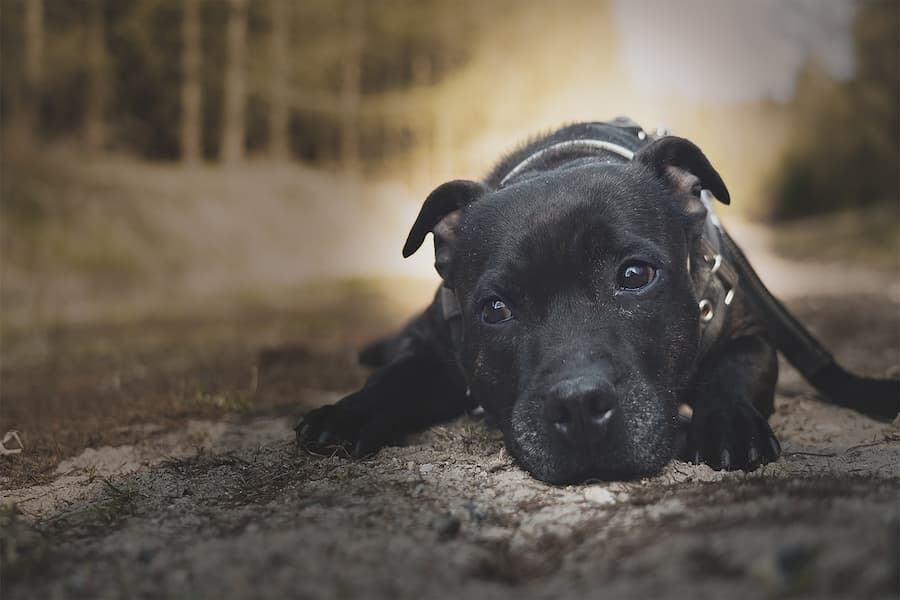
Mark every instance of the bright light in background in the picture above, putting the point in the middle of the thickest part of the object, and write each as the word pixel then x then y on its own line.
pixel 702 67
pixel 731 50
pixel 738 77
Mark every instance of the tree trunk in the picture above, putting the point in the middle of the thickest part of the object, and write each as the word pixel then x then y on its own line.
pixel 279 123
pixel 26 113
pixel 232 149
pixel 351 88
pixel 94 127
pixel 191 90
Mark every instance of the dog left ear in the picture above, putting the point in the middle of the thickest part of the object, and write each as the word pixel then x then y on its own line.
pixel 440 215
pixel 674 159
pixel 684 169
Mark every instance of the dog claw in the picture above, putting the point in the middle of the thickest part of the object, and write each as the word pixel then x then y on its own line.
pixel 357 450
pixel 364 448
pixel 775 446
pixel 753 455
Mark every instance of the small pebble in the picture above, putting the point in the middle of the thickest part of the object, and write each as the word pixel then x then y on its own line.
pixel 446 525
pixel 426 468
pixel 474 511
pixel 666 509
pixel 599 495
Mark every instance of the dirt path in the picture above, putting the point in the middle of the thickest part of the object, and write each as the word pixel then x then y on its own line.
pixel 212 499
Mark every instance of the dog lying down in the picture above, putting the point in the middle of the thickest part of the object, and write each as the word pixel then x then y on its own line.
pixel 588 291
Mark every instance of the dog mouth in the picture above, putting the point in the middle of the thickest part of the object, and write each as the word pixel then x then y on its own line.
pixel 635 438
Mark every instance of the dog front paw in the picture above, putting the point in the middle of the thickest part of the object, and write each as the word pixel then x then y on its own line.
pixel 733 437
pixel 346 424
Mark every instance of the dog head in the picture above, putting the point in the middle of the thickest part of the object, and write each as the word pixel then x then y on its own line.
pixel 579 319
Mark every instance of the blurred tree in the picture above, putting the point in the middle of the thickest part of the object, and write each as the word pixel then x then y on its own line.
pixel 95 103
pixel 351 84
pixel 191 83
pixel 846 149
pixel 29 100
pixel 279 80
pixel 333 82
pixel 235 101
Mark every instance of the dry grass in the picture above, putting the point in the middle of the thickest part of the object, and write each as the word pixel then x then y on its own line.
pixel 89 385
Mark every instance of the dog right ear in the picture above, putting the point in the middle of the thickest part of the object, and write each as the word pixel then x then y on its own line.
pixel 440 215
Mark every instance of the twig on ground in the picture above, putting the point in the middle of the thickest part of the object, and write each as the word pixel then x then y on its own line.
pixel 11 436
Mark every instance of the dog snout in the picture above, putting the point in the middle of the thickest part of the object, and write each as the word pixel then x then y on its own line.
pixel 580 409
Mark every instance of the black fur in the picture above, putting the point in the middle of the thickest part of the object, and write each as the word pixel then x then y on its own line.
pixel 585 379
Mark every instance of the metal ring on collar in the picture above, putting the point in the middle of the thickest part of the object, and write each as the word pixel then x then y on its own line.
pixel 706 310
pixel 716 261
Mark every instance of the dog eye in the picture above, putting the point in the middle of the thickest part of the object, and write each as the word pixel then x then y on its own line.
pixel 495 311
pixel 635 275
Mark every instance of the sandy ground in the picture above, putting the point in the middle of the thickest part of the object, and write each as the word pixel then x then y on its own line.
pixel 223 505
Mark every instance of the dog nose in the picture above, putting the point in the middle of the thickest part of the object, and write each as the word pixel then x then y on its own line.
pixel 580 409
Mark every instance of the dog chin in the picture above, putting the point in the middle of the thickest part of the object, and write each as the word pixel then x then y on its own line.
pixel 568 468
pixel 624 456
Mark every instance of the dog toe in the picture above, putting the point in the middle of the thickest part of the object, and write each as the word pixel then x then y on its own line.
pixel 725 460
pixel 774 447
pixel 752 456
pixel 327 438
pixel 764 447
pixel 365 447
pixel 325 426
pixel 717 435
pixel 752 443
pixel 345 424
pixel 731 438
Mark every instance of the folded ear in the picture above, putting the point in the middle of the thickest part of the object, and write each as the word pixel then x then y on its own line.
pixel 683 168
pixel 669 155
pixel 440 215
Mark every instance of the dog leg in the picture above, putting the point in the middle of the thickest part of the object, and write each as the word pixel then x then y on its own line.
pixel 728 429
pixel 413 391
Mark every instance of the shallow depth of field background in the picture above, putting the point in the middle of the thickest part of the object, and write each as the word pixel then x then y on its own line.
pixel 161 152
pixel 202 206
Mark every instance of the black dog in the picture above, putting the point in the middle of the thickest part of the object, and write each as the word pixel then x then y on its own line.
pixel 588 291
